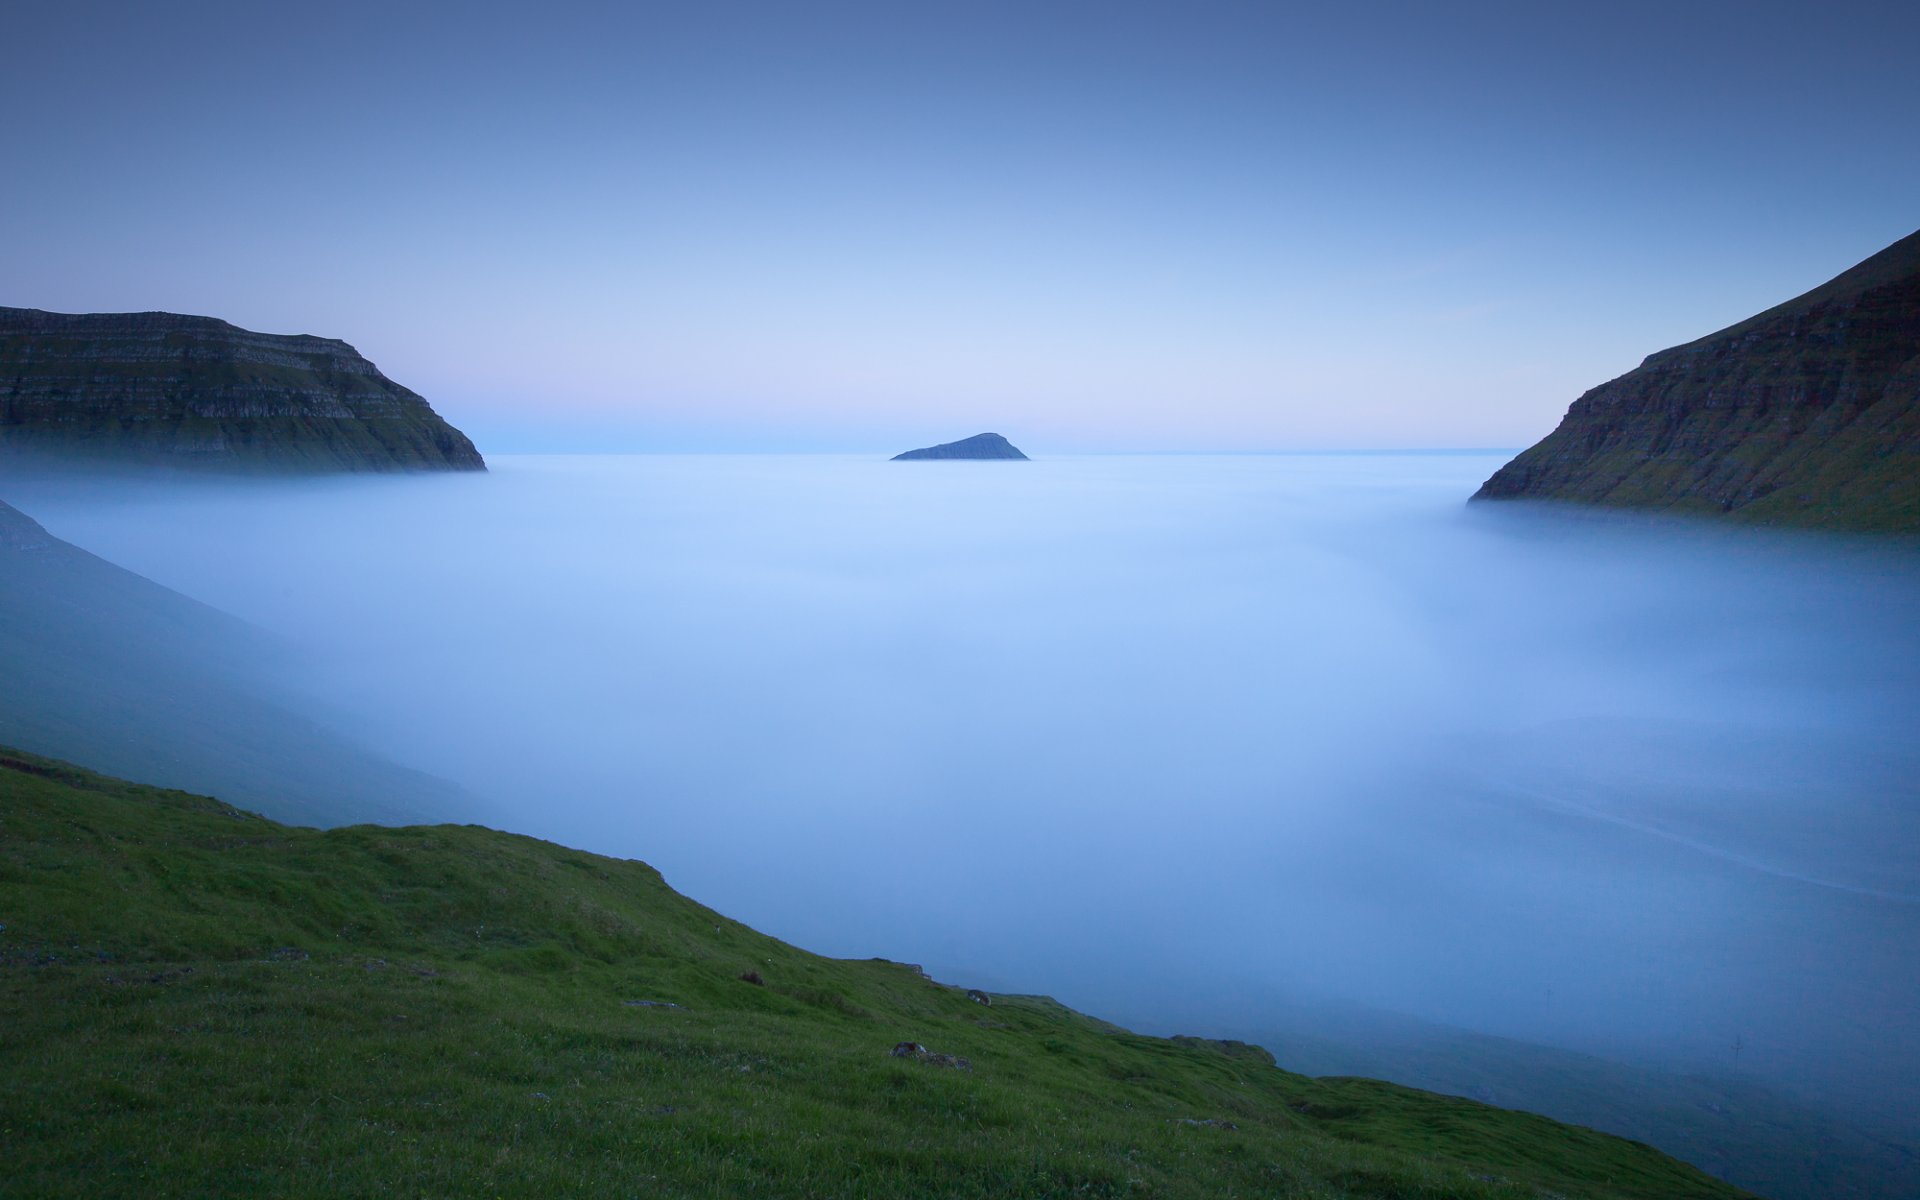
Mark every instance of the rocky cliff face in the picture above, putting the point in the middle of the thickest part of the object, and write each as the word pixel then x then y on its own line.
pixel 980 445
pixel 162 388
pixel 1808 414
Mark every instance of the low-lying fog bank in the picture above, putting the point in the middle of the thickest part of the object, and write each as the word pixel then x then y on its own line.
pixel 1163 736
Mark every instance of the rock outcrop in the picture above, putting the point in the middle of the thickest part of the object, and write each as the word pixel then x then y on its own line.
pixel 980 445
pixel 919 1053
pixel 160 388
pixel 1807 414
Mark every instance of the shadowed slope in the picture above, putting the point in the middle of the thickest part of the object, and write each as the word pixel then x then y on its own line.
pixel 101 664
pixel 1807 414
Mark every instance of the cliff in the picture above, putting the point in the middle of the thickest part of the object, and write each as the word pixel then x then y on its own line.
pixel 980 445
pixel 195 391
pixel 1807 414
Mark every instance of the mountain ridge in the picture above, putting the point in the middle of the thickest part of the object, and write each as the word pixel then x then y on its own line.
pixel 159 388
pixel 98 663
pixel 1805 414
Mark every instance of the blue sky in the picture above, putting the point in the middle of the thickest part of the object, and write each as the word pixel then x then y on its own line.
pixel 861 227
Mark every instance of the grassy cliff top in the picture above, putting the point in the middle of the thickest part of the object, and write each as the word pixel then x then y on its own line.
pixel 198 1001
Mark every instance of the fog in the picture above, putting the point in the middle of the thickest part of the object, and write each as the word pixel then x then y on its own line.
pixel 1179 740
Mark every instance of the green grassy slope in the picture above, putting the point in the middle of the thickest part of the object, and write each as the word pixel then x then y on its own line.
pixel 197 1001
pixel 1807 414
pixel 1735 1127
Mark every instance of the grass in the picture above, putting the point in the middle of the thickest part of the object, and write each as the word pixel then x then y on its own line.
pixel 196 1001
pixel 1734 1127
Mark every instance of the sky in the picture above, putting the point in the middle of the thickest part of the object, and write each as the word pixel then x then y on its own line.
pixel 1090 227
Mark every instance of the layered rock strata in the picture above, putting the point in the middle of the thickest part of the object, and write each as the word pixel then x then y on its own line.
pixel 1807 414
pixel 195 391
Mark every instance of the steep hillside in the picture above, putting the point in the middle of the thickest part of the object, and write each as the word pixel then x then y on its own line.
pixel 1737 1128
pixel 101 664
pixel 200 1002
pixel 1807 414
pixel 197 392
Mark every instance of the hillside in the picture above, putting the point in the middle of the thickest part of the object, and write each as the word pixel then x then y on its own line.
pixel 1807 414
pixel 1736 1128
pixel 101 664
pixel 201 1002
pixel 162 389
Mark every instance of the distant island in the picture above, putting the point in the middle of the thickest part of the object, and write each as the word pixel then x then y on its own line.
pixel 980 445
pixel 1807 414
pixel 162 389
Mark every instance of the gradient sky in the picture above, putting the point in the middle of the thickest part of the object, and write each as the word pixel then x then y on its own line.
pixel 865 227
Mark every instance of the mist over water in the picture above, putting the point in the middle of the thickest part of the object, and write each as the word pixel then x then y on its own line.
pixel 1171 738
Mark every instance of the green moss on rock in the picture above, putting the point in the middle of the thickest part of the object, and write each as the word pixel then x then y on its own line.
pixel 1807 414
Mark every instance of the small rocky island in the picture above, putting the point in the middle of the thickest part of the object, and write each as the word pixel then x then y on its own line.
pixel 1807 414
pixel 162 389
pixel 980 445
